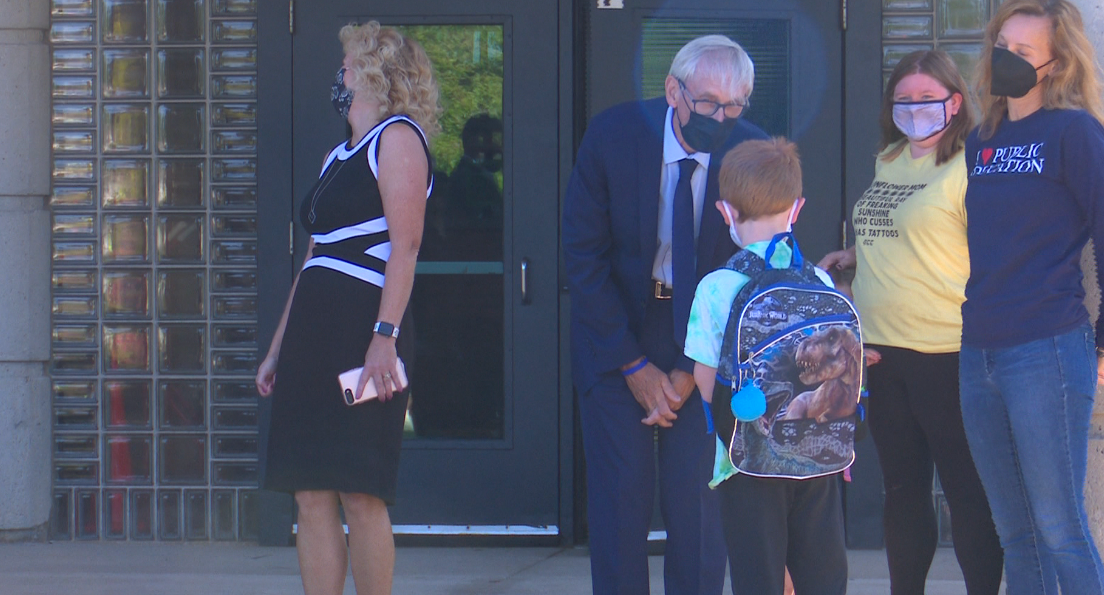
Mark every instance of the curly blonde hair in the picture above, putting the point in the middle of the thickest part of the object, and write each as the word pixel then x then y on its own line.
pixel 1075 84
pixel 395 69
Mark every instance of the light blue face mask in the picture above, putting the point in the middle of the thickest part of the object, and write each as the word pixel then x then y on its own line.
pixel 735 235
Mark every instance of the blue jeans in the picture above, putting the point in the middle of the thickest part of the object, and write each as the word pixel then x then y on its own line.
pixel 1026 410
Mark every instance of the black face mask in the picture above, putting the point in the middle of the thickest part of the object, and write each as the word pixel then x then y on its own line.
pixel 1012 75
pixel 340 95
pixel 704 134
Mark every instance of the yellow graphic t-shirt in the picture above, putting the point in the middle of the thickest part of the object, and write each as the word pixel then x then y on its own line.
pixel 910 240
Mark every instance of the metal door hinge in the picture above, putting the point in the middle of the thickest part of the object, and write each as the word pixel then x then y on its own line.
pixel 291 17
pixel 291 238
pixel 843 15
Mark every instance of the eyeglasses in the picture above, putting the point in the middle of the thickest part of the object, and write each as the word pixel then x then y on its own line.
pixel 708 107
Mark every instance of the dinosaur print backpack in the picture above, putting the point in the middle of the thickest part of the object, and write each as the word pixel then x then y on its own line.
pixel 791 371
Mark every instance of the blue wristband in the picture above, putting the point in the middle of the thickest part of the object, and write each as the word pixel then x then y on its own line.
pixel 640 366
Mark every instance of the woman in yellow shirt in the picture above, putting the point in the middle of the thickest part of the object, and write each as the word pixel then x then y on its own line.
pixel 911 266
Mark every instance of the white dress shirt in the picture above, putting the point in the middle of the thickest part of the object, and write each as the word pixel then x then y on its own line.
pixel 668 180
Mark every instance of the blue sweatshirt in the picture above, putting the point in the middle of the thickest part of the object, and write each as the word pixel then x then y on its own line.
pixel 1034 198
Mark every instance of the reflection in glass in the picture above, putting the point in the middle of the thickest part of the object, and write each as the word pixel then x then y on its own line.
pixel 71 8
pixel 74 335
pixel 183 459
pixel 906 27
pixel 181 348
pixel 124 238
pixel 88 525
pixel 457 391
pixel 73 114
pixel 74 390
pixel 234 419
pixel 74 306
pixel 180 293
pixel 74 59
pixel 125 127
pixel 75 418
pixel 180 73
pixel 233 252
pixel 128 459
pixel 234 225
pixel 141 514
pixel 60 516
pixel 247 515
pixel 235 307
pixel 73 87
pixel 73 196
pixel 234 197
pixel 125 182
pixel 74 252
pixel 78 170
pixel 234 59
pixel 233 87
pixel 234 362
pixel 74 280
pixel 126 348
pixel 73 141
pixel 965 55
pixel 195 514
pixel 233 7
pixel 242 474
pixel 115 514
pixel 74 473
pixel 963 18
pixel 223 514
pixel 124 21
pixel 180 128
pixel 226 31
pixel 126 404
pixel 180 183
pixel 234 170
pixel 235 446
pixel 222 280
pixel 179 20
pixel 907 4
pixel 233 336
pixel 71 32
pixel 74 224
pixel 126 293
pixel 234 141
pixel 182 405
pixel 75 446
pixel 180 238
pixel 235 391
pixel 125 74
pixel 892 54
pixel 234 114
pixel 168 514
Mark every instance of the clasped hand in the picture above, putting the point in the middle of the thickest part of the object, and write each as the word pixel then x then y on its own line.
pixel 659 394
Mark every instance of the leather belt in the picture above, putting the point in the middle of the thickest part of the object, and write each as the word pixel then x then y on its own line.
pixel 662 292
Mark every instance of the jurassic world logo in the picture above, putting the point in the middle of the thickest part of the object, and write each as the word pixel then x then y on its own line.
pixel 1016 159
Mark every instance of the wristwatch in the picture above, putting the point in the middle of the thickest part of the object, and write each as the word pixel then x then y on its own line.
pixel 386 329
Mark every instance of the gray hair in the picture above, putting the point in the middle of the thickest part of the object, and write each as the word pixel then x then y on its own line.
pixel 716 57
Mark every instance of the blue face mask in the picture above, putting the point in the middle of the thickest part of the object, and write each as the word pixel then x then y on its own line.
pixel 340 95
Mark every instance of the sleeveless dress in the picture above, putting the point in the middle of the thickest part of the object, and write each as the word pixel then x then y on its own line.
pixel 316 441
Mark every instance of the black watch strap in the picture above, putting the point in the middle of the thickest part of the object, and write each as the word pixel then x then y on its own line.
pixel 386 329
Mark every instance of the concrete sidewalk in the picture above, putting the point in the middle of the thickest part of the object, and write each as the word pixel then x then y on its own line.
pixel 106 568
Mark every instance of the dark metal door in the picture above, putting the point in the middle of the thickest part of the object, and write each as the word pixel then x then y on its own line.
pixel 796 48
pixel 480 453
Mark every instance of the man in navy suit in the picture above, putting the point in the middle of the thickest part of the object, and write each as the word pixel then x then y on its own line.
pixel 639 232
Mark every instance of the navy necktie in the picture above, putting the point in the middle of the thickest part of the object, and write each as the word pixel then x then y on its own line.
pixel 683 251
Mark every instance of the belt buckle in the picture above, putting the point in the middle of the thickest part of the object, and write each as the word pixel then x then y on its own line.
pixel 659 291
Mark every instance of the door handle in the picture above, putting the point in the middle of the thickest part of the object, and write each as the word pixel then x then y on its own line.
pixel 525 282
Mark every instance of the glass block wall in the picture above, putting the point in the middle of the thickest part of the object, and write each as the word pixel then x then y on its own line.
pixel 956 27
pixel 154 242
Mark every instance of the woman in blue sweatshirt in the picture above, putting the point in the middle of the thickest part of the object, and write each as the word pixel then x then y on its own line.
pixel 1029 360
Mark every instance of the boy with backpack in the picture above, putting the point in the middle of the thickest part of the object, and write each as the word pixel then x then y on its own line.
pixel 779 351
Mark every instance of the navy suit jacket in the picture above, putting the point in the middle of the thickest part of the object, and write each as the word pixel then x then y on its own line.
pixel 610 221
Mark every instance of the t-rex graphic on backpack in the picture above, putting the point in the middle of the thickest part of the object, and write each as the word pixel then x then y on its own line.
pixel 794 343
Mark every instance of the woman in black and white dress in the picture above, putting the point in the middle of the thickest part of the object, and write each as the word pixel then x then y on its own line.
pixel 346 309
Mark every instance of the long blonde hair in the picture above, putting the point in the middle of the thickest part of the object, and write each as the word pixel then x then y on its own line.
pixel 395 69
pixel 938 65
pixel 1074 81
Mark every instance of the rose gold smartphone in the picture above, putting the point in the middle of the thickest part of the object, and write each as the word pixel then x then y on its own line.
pixel 348 380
